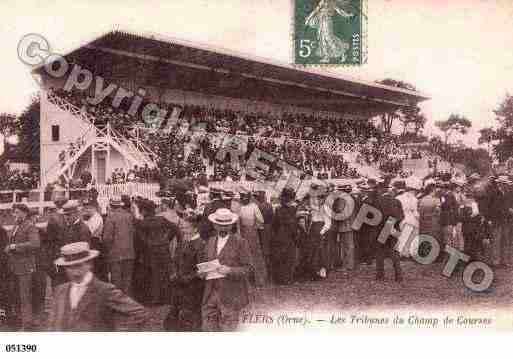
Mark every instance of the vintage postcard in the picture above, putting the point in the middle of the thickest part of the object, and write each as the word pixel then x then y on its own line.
pixel 261 166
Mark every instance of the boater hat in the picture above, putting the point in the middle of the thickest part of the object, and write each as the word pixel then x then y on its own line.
pixel 503 180
pixel 75 253
pixel 223 216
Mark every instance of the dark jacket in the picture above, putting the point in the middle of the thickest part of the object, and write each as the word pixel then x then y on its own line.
pixel 26 238
pixel 156 244
pixel 267 211
pixel 493 205
pixel 206 228
pixel 76 232
pixel 55 238
pixel 449 210
pixel 192 287
pixel 102 308
pixel 118 235
pixel 391 207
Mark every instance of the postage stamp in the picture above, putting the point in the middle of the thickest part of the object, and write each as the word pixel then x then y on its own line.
pixel 330 32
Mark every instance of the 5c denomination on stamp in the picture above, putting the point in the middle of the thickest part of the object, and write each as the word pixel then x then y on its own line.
pixel 330 32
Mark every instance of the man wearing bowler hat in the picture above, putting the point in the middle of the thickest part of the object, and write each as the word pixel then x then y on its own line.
pixel 86 303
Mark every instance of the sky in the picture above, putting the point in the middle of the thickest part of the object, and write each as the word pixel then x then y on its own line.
pixel 457 52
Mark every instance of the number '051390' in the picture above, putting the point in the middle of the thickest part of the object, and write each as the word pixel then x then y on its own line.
pixel 20 348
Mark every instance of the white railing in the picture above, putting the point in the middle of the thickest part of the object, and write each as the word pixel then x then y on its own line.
pixel 146 190
pixel 139 153
pixel 69 107
pixel 89 119
pixel 36 198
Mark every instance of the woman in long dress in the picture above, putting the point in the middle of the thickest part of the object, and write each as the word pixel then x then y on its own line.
pixel 250 220
pixel 283 239
pixel 329 44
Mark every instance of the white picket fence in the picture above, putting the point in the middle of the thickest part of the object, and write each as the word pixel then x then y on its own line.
pixel 36 198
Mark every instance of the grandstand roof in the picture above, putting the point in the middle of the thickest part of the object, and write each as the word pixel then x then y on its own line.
pixel 261 78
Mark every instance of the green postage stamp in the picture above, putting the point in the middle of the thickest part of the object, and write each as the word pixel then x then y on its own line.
pixel 330 32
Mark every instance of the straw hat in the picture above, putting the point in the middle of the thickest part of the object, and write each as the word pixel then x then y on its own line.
pixel 76 253
pixel 503 180
pixel 223 216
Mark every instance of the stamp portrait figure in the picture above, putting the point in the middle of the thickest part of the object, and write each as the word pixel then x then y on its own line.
pixel 321 18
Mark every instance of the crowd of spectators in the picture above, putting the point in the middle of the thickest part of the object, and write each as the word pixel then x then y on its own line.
pixel 262 124
pixel 316 145
pixel 143 174
pixel 18 180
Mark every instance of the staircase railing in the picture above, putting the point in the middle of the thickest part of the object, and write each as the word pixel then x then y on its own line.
pixel 139 144
pixel 141 155
pixel 71 108
pixel 68 159
pixel 136 151
pixel 71 160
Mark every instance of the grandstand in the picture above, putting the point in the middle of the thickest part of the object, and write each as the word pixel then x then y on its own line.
pixel 311 116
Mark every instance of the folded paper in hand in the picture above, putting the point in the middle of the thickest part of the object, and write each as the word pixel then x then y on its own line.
pixel 211 269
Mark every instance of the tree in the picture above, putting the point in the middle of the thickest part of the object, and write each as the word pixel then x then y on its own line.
pixel 7 129
pixel 474 159
pixel 487 135
pixel 28 132
pixel 412 117
pixel 454 124
pixel 504 133
pixel 436 144
pixel 406 115
pixel 7 124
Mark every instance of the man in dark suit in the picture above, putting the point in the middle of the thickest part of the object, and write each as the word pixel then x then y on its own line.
pixel 6 297
pixel 75 229
pixel 265 234
pixel 206 228
pixel 21 253
pixel 390 207
pixel 55 236
pixel 226 289
pixel 118 239
pixel 187 289
pixel 86 303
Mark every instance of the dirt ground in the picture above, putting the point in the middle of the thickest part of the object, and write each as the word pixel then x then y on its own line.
pixel 423 288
